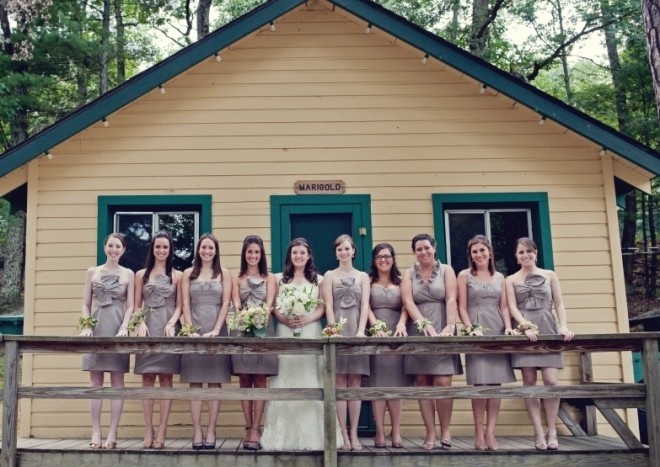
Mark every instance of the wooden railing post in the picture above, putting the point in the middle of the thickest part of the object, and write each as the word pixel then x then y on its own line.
pixel 589 411
pixel 329 405
pixel 10 406
pixel 652 380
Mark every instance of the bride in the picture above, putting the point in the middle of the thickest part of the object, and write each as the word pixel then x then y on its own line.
pixel 297 425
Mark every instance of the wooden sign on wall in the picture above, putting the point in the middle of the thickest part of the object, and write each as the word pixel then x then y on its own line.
pixel 319 187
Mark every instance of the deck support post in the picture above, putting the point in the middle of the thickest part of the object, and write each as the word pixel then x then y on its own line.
pixel 329 405
pixel 589 423
pixel 10 406
pixel 652 380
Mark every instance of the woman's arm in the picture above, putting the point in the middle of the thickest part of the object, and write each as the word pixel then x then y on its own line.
pixel 235 293
pixel 141 330
pixel 326 293
pixel 185 298
pixel 129 305
pixel 461 284
pixel 513 306
pixel 224 309
pixel 451 305
pixel 170 327
pixel 504 307
pixel 364 303
pixel 558 300
pixel 87 301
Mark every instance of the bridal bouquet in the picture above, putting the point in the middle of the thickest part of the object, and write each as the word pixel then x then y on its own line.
pixel 251 320
pixel 293 302
pixel 333 330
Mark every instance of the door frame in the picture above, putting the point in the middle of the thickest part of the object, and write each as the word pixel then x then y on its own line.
pixel 282 206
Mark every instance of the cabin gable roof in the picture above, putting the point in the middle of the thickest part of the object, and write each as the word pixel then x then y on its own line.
pixel 376 16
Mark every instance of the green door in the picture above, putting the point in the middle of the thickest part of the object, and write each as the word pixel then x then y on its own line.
pixel 321 219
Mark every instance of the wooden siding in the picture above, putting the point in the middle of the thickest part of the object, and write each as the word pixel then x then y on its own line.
pixel 318 98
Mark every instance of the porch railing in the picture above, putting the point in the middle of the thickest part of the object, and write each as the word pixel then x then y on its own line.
pixel 604 396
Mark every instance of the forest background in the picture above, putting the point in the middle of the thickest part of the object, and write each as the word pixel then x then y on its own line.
pixel 56 55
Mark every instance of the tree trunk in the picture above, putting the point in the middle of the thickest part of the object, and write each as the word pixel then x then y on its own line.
pixel 203 18
pixel 14 257
pixel 478 38
pixel 452 30
pixel 105 47
pixel 651 16
pixel 18 119
pixel 653 270
pixel 120 42
pixel 564 59
pixel 620 100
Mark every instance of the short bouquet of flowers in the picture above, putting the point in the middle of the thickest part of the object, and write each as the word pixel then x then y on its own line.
pixel 251 320
pixel 379 325
pixel 333 330
pixel 138 318
pixel 468 330
pixel 294 302
pixel 524 327
pixel 86 322
pixel 188 330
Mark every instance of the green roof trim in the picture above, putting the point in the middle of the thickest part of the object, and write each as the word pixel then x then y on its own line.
pixel 482 71
pixel 546 105
pixel 143 83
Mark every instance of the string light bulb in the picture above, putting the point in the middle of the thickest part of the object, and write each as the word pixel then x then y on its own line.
pixel 368 31
pixel 602 152
pixel 106 123
pixel 272 26
pixel 162 89
pixel 218 58
pixel 49 155
pixel 542 121
pixel 483 88
pixel 425 59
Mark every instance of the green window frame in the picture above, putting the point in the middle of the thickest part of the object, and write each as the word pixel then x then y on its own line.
pixel 536 202
pixel 109 205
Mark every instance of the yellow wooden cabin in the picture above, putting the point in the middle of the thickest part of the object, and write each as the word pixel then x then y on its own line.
pixel 315 118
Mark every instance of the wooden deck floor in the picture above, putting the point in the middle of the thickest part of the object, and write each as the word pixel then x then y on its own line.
pixel 583 451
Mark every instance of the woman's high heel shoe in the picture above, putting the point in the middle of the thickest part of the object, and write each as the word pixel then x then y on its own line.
pixel 540 444
pixel 553 443
pixel 197 446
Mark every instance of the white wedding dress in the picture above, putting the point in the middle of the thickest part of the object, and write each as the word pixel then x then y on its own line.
pixel 296 425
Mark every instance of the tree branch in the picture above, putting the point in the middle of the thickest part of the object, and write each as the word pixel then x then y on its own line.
pixel 492 15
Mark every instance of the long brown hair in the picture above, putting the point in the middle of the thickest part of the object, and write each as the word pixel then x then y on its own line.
pixel 197 262
pixel 311 273
pixel 263 263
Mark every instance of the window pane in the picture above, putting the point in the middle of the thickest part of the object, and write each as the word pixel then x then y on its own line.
pixel 505 229
pixel 137 230
pixel 462 227
pixel 182 227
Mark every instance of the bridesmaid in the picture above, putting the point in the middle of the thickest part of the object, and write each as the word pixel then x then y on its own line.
pixel 108 297
pixel 254 286
pixel 206 293
pixel 157 289
pixel 428 291
pixel 482 302
pixel 346 295
pixel 387 371
pixel 531 293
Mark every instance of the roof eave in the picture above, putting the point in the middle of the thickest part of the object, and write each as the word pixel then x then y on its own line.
pixel 143 83
pixel 482 71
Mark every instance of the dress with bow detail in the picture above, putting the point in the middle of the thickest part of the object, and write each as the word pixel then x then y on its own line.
pixel 346 302
pixel 108 301
pixel 158 303
pixel 253 292
pixel 534 300
pixel 429 297
pixel 205 304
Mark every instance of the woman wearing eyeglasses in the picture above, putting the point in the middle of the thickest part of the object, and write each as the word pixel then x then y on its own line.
pixel 386 370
